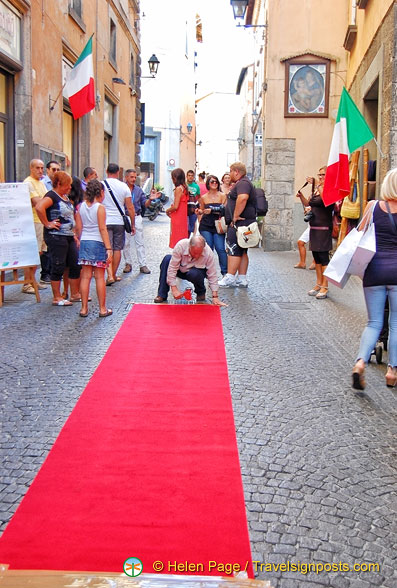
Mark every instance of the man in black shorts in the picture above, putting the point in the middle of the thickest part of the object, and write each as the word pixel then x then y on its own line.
pixel 240 211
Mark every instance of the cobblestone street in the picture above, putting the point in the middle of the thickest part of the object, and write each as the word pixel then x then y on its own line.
pixel 317 459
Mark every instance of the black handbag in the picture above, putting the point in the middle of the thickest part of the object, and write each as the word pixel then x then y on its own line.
pixel 126 220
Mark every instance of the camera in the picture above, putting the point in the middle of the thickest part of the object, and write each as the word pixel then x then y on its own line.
pixel 308 216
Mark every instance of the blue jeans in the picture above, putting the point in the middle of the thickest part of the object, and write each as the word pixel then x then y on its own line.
pixel 195 275
pixel 375 298
pixel 217 241
pixel 191 222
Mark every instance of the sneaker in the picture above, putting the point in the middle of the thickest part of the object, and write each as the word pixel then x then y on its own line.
pixel 227 281
pixel 144 269
pixel 41 286
pixel 45 280
pixel 28 289
pixel 242 282
pixel 127 269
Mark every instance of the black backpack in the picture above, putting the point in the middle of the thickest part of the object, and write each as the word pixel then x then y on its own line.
pixel 262 204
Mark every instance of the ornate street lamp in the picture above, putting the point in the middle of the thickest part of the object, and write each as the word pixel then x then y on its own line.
pixel 239 8
pixel 153 65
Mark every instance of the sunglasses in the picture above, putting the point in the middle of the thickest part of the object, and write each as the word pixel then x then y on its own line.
pixel 213 182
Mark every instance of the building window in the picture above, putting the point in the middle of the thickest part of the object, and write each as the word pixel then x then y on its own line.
pixel 112 42
pixel 108 130
pixel 68 134
pixel 75 5
pixel 7 130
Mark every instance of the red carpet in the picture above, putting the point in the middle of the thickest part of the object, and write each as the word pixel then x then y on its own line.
pixel 146 465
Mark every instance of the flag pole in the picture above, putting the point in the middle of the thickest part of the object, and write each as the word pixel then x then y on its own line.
pixel 57 98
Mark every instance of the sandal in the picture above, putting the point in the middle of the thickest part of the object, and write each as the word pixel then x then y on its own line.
pixel 322 295
pixel 108 312
pixel 314 291
pixel 299 266
pixel 62 303
pixel 391 377
pixel 83 314
pixel 358 382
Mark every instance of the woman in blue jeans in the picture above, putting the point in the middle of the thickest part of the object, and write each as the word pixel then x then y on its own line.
pixel 380 281
pixel 212 207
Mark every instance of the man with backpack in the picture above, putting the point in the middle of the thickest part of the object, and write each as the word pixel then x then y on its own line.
pixel 241 210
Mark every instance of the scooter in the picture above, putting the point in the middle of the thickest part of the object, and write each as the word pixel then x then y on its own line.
pixel 156 205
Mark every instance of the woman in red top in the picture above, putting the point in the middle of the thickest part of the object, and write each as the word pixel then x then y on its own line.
pixel 178 210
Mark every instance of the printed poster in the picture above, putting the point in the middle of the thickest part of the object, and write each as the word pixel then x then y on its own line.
pixel 18 245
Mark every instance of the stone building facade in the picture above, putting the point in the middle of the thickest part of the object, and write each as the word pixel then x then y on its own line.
pixel 39 43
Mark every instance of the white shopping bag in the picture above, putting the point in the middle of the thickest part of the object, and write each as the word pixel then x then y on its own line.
pixel 364 253
pixel 337 269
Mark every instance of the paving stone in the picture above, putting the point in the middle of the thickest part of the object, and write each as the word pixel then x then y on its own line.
pixel 317 459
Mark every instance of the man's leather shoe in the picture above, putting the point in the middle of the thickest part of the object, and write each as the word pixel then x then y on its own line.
pixel 200 297
pixel 144 270
pixel 159 300
pixel 127 269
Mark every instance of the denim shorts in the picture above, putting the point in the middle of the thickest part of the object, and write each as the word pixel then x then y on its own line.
pixel 92 253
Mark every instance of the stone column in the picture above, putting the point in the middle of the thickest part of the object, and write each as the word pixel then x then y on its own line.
pixel 279 174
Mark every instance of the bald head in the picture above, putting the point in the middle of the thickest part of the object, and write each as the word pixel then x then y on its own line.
pixel 36 169
pixel 196 246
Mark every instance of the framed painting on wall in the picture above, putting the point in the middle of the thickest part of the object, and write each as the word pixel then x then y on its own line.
pixel 306 87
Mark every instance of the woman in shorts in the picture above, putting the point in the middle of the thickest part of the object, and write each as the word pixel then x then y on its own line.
pixel 95 251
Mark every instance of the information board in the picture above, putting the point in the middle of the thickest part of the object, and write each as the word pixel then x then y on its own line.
pixel 18 244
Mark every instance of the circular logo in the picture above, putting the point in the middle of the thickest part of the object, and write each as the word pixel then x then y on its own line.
pixel 133 567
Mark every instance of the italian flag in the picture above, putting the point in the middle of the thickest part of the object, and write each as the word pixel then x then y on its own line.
pixel 79 86
pixel 350 132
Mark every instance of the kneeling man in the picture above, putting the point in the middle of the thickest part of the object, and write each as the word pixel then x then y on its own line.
pixel 192 260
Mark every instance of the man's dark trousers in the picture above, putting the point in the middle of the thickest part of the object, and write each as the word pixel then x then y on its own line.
pixel 195 275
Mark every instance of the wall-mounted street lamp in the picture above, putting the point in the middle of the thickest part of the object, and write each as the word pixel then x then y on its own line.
pixel 239 10
pixel 153 67
pixel 189 128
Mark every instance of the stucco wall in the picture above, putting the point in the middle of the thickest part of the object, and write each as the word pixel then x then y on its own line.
pixel 294 28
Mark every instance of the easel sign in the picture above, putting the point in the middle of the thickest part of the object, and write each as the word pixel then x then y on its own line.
pixel 18 245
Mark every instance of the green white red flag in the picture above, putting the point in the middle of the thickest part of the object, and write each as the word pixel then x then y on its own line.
pixel 350 133
pixel 79 85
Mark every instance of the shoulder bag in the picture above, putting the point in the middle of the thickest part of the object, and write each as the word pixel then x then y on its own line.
pixel 220 225
pixel 248 236
pixel 126 220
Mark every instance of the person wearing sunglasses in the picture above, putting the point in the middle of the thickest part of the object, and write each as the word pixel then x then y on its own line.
pixel 320 232
pixel 212 207
pixel 52 168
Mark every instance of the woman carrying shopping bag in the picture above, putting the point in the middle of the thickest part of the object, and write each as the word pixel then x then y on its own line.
pixel 380 281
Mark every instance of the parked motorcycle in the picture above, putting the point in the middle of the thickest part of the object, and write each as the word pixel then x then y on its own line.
pixel 157 199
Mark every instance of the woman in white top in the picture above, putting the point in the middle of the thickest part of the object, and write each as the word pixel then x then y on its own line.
pixel 95 251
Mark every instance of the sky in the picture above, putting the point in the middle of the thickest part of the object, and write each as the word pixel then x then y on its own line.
pixel 225 50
